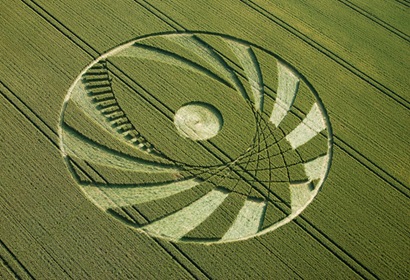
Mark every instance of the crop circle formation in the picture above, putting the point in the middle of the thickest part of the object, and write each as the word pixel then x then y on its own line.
pixel 196 137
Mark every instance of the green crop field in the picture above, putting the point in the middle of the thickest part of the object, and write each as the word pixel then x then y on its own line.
pixel 235 139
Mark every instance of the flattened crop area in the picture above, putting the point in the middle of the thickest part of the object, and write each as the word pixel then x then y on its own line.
pixel 207 140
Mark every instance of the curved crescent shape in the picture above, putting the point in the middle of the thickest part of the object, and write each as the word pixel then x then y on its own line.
pixel 266 186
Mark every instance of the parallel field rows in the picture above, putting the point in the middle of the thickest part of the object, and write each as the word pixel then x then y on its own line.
pixel 302 222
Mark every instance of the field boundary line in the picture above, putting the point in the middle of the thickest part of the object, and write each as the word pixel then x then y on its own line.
pixel 58 25
pixel 302 222
pixel 404 3
pixel 274 253
pixel 4 266
pixel 40 14
pixel 41 127
pixel 40 240
pixel 186 257
pixel 385 177
pixel 7 256
pixel 348 66
pixel 375 19
pixel 29 114
pixel 160 15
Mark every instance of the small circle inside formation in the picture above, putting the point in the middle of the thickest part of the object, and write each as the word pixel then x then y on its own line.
pixel 198 121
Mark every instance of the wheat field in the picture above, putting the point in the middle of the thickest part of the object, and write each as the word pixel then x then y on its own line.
pixel 236 139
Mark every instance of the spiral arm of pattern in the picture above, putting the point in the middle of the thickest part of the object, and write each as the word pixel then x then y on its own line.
pixel 128 172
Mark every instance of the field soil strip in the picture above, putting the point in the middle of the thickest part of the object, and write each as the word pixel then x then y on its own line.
pixel 383 10
pixel 12 264
pixel 287 20
pixel 29 114
pixel 377 20
pixel 43 128
pixel 5 271
pixel 404 3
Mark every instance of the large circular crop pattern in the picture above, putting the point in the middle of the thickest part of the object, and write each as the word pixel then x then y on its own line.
pixel 196 137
